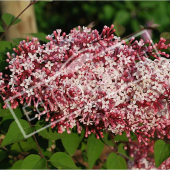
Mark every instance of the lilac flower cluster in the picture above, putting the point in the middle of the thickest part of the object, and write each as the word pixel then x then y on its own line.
pixel 92 80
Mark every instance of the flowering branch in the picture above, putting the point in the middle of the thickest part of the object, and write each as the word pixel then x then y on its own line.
pixel 107 84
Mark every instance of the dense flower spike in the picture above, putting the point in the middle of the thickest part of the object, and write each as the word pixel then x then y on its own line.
pixel 95 80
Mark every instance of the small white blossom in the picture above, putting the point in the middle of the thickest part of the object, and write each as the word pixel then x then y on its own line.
pixel 49 65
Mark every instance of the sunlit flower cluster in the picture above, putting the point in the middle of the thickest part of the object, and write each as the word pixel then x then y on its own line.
pixel 92 80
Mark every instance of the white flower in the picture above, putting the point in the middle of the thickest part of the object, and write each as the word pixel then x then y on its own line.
pixel 49 65
pixel 12 61
pixel 27 65
pixel 1 82
pixel 39 51
pixel 26 82
pixel 13 69
pixel 120 55
pixel 47 50
pixel 116 38
pixel 21 56
pixel 11 82
pixel 19 71
pixel 140 43
pixel 105 104
pixel 39 74
pixel 85 29
pixel 30 92
pixel 58 31
pixel 32 47
pixel 40 60
pixel 12 75
pixel 32 57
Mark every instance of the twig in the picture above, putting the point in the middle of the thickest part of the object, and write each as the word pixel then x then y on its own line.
pixel 31 3
pixel 41 154
pixel 144 28
pixel 76 160
pixel 5 148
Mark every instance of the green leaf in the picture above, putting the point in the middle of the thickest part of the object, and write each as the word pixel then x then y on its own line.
pixel 124 138
pixel 104 166
pixel 34 162
pixel 130 5
pixel 108 11
pixel 107 139
pixel 165 35
pixel 71 141
pixel 5 123
pixel 3 154
pixel 94 149
pixel 17 165
pixel 9 18
pixel 115 161
pixel 23 146
pixel 83 146
pixel 47 154
pixel 6 112
pixel 17 40
pixel 41 36
pixel 120 30
pixel 84 156
pixel 48 133
pixel 135 25
pixel 7 117
pixel 62 161
pixel 123 152
pixel 14 133
pixel 161 152
pixel 148 4
pixel 122 16
pixel 5 47
pixel 1 29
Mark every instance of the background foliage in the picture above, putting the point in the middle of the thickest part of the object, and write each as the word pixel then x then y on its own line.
pixel 67 15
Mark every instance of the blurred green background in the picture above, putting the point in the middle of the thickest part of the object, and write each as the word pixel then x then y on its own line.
pixel 130 14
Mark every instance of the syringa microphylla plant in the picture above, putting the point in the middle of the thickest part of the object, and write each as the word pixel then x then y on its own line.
pixel 98 81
